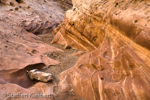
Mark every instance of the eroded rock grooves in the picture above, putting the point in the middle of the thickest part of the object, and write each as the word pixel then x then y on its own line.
pixel 114 36
pixel 117 35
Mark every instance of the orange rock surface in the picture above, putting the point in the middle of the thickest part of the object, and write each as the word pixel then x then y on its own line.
pixel 114 36
pixel 117 35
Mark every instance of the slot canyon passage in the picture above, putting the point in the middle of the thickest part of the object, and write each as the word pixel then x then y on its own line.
pixel 95 49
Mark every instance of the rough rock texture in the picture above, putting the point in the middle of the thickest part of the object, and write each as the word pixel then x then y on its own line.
pixel 114 37
pixel 20 50
pixel 64 4
pixel 66 60
pixel 67 1
pixel 34 16
pixel 117 35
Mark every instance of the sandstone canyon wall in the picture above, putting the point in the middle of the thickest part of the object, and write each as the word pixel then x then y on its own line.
pixel 113 37
pixel 116 34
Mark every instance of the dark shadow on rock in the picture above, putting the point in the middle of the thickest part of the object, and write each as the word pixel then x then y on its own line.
pixel 19 77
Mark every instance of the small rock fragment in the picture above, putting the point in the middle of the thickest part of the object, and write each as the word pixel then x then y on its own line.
pixel 39 75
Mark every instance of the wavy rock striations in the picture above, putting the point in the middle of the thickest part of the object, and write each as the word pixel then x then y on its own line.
pixel 117 35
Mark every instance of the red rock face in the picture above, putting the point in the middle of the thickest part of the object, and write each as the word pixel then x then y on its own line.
pixel 116 34
pixel 20 50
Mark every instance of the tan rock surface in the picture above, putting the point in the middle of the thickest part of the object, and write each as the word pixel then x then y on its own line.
pixel 112 34
pixel 116 33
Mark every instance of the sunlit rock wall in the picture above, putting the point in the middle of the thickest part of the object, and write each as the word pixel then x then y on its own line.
pixel 117 35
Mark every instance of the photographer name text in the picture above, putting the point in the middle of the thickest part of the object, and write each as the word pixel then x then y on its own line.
pixel 30 95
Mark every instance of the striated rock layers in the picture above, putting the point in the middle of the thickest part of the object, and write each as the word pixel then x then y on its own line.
pixel 117 35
